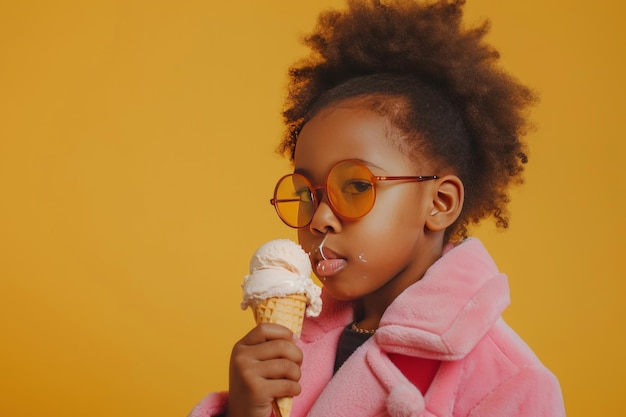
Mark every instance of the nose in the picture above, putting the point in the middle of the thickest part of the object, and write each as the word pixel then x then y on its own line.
pixel 324 220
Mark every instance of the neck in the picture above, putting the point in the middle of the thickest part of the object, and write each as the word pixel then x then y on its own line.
pixel 371 307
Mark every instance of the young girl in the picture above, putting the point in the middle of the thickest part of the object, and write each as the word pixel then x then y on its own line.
pixel 402 133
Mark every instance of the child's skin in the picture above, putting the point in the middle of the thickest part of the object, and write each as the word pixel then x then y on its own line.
pixel 370 260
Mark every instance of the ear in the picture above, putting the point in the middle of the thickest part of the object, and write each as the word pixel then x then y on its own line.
pixel 447 203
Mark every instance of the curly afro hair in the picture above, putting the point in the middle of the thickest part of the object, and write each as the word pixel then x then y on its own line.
pixel 459 108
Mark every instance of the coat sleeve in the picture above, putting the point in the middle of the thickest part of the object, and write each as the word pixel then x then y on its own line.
pixel 532 392
pixel 213 405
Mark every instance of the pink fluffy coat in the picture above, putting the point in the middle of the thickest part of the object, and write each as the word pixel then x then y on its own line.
pixel 453 314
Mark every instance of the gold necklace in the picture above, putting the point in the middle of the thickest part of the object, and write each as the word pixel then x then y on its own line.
pixel 356 329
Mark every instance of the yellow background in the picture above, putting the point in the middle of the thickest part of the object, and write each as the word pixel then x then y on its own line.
pixel 136 163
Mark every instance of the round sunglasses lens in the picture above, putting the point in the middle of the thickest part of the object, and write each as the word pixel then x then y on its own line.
pixel 294 201
pixel 351 189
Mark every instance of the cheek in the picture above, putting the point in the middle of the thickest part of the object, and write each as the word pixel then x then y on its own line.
pixel 378 246
pixel 389 236
pixel 400 209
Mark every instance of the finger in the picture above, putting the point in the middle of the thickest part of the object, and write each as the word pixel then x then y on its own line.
pixel 270 390
pixel 278 388
pixel 267 331
pixel 279 369
pixel 260 382
pixel 259 360
pixel 272 349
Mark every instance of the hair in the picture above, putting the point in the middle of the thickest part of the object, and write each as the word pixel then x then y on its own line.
pixel 443 88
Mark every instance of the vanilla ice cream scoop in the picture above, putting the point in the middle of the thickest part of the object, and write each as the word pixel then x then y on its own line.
pixel 280 268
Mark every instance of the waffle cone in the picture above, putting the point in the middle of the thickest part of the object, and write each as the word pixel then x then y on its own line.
pixel 289 312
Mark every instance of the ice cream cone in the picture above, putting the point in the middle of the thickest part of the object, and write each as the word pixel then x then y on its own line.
pixel 279 290
pixel 289 312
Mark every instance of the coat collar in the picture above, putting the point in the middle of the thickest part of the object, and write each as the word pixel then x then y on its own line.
pixel 446 313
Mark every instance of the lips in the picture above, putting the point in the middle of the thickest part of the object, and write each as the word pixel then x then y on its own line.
pixel 331 265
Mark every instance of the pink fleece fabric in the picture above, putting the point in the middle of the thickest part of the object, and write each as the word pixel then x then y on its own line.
pixel 453 315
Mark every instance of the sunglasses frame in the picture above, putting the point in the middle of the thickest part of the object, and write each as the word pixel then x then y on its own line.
pixel 316 194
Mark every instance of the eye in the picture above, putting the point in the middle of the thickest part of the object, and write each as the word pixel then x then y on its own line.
pixel 356 186
pixel 304 195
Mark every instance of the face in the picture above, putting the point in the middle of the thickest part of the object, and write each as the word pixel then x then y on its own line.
pixel 382 253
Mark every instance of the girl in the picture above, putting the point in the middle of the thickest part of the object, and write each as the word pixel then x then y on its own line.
pixel 402 132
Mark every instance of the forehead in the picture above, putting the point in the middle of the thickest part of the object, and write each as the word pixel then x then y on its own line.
pixel 349 130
